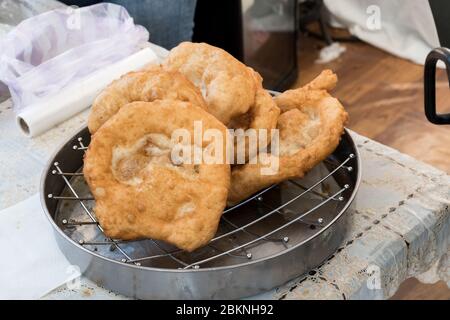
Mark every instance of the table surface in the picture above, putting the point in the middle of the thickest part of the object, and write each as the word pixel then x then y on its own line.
pixel 399 228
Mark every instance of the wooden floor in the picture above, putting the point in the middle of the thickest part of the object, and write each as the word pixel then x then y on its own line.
pixel 384 97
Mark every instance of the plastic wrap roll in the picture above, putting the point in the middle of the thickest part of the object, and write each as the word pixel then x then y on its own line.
pixel 71 100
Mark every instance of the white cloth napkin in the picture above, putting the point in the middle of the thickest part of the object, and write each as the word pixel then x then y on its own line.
pixel 32 264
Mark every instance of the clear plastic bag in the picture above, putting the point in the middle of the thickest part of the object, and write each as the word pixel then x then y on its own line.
pixel 46 53
pixel 12 12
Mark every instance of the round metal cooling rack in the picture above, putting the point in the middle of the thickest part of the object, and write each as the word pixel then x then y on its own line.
pixel 274 236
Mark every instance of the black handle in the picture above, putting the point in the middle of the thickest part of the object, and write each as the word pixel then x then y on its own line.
pixel 434 56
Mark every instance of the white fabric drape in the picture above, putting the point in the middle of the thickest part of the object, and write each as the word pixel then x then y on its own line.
pixel 403 28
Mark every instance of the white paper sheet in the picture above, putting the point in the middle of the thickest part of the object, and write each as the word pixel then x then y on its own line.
pixel 32 264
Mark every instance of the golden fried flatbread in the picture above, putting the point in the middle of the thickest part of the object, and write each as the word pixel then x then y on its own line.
pixel 309 94
pixel 226 84
pixel 147 85
pixel 140 191
pixel 308 134
pixel 262 116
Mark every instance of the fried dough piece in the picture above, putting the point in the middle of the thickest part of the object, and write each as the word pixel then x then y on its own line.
pixel 308 134
pixel 326 80
pixel 147 85
pixel 262 115
pixel 140 191
pixel 226 84
pixel 309 94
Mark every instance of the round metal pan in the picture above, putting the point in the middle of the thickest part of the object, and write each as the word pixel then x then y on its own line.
pixel 270 264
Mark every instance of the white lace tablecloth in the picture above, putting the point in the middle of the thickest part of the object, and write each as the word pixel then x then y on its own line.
pixel 400 226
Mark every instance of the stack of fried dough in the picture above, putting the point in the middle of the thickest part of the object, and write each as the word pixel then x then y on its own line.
pixel 141 191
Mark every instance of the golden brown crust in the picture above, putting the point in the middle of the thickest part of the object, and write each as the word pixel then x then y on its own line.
pixel 139 192
pixel 309 94
pixel 308 134
pixel 147 85
pixel 262 115
pixel 326 80
pixel 226 84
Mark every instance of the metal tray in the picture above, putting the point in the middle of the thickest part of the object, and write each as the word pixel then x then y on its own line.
pixel 274 236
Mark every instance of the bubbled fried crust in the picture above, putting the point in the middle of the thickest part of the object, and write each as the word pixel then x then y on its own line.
pixel 308 134
pixel 227 85
pixel 139 191
pixel 309 94
pixel 262 115
pixel 147 85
